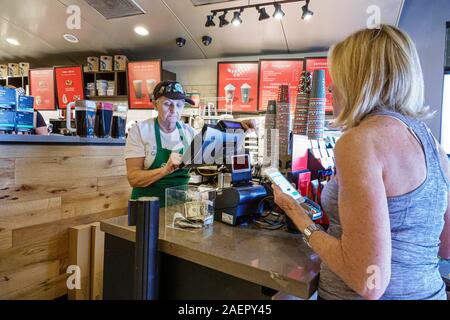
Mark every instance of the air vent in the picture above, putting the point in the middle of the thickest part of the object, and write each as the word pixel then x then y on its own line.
pixel 113 9
pixel 206 2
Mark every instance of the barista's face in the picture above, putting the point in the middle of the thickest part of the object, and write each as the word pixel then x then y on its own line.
pixel 169 111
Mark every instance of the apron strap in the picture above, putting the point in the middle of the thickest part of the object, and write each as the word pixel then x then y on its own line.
pixel 180 130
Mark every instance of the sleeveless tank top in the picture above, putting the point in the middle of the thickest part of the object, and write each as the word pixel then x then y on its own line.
pixel 417 221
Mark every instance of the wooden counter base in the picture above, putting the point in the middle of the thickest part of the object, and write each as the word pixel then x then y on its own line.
pixel 44 190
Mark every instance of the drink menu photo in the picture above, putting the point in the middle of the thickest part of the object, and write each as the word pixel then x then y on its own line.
pixel 143 77
pixel 313 64
pixel 238 86
pixel 69 85
pixel 42 87
pixel 273 74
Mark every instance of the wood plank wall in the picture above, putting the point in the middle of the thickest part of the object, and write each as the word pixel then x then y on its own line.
pixel 44 190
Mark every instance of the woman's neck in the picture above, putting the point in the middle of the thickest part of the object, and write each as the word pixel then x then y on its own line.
pixel 167 127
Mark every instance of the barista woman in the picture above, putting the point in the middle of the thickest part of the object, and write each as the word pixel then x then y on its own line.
pixel 154 147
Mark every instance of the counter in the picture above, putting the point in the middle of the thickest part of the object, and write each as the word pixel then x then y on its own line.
pixel 57 140
pixel 47 185
pixel 272 259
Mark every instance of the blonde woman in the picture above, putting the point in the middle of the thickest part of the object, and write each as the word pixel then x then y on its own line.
pixel 389 201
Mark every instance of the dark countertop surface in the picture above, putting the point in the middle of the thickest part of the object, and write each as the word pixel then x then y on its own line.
pixel 57 140
pixel 275 259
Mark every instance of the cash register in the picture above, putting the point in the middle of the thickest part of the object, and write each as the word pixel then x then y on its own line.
pixel 239 203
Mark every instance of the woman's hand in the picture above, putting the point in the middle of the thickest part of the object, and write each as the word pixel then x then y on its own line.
pixel 291 208
pixel 173 163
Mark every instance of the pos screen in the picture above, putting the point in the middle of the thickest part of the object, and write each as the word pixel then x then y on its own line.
pixel 241 164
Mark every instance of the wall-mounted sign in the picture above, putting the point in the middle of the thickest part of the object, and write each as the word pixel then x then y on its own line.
pixel 273 74
pixel 42 88
pixel 313 64
pixel 194 96
pixel 238 86
pixel 69 85
pixel 143 77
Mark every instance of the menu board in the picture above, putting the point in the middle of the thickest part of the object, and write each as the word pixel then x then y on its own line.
pixel 313 64
pixel 143 77
pixel 238 86
pixel 42 88
pixel 69 85
pixel 273 74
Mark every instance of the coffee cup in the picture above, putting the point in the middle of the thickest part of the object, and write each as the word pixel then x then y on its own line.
pixel 137 84
pixel 245 92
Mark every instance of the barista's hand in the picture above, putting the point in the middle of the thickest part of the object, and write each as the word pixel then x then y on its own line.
pixel 173 163
pixel 249 125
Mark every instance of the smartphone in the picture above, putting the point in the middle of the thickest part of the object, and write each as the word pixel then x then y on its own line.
pixel 277 178
pixel 312 209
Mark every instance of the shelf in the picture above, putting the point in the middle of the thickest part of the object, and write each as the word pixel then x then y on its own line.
pixel 97 72
pixel 107 97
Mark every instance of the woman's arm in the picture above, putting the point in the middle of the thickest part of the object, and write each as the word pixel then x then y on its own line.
pixel 362 258
pixel 444 249
pixel 140 178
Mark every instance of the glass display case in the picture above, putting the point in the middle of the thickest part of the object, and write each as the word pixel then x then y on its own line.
pixel 190 207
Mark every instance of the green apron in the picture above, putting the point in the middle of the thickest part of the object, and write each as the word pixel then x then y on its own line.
pixel 178 178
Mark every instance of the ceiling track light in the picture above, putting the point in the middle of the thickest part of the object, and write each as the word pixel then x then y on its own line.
pixel 279 13
pixel 223 20
pixel 237 21
pixel 260 7
pixel 210 21
pixel 262 14
pixel 307 14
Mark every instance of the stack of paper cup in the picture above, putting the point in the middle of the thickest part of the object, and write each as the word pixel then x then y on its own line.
pixel 283 119
pixel 270 124
pixel 317 104
pixel 302 105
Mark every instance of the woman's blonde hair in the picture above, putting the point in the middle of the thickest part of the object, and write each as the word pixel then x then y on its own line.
pixel 377 69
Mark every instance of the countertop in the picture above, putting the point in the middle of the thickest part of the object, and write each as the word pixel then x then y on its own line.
pixel 274 259
pixel 57 140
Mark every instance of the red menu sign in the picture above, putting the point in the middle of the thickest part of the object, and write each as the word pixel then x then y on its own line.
pixel 273 74
pixel 313 64
pixel 142 79
pixel 69 85
pixel 238 86
pixel 42 88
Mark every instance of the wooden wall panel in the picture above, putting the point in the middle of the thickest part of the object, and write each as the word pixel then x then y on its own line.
pixel 5 239
pixel 44 191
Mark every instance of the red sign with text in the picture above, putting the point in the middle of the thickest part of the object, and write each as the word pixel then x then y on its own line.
pixel 142 79
pixel 238 86
pixel 69 85
pixel 42 88
pixel 313 64
pixel 275 73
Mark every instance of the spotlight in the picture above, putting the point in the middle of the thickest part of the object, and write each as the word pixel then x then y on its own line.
pixel 237 18
pixel 207 40
pixel 223 20
pixel 278 14
pixel 181 42
pixel 262 14
pixel 307 14
pixel 210 21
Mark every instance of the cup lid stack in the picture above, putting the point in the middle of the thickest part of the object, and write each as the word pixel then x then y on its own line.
pixel 302 104
pixel 283 119
pixel 317 105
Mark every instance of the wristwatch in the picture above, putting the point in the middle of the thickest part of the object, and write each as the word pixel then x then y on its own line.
pixel 308 232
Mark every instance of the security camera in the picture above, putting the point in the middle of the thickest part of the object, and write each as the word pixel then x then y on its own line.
pixel 207 40
pixel 181 42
